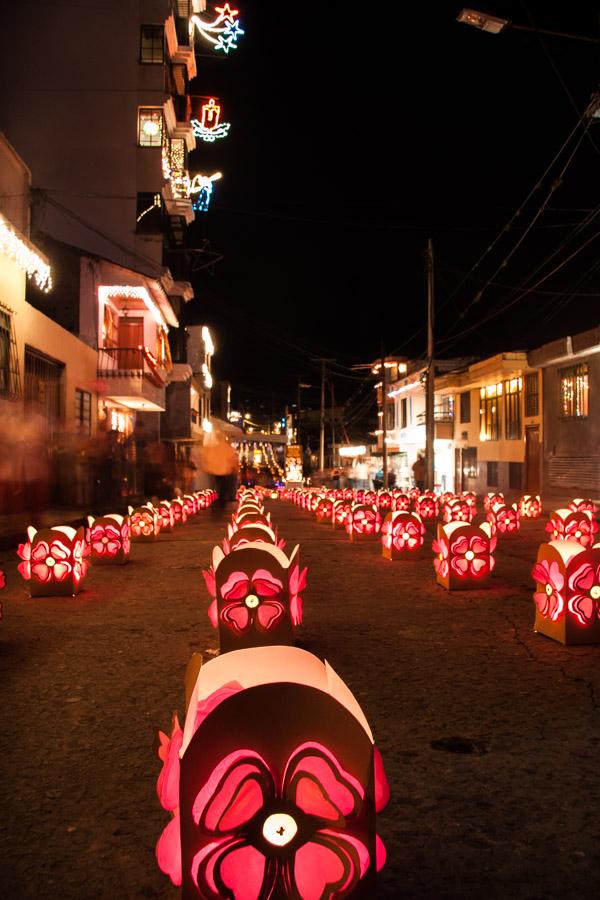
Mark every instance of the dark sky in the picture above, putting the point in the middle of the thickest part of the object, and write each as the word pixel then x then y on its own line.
pixel 355 137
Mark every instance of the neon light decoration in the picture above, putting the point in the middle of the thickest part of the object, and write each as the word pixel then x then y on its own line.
pixel 144 522
pixel 209 127
pixel 54 561
pixel 401 533
pixel 504 519
pixel 463 555
pixel 568 525
pixel 364 521
pixel 530 507
pixel 201 190
pixel 256 593
pixel 567 595
pixel 286 811
pixel 223 32
pixel 25 255
pixel 110 539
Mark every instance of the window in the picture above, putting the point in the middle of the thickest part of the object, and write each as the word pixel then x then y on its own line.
pixel 465 406
pixel 469 462
pixel 83 411
pixel 10 383
pixel 390 416
pixel 492 474
pixel 532 397
pixel 512 408
pixel 403 413
pixel 150 126
pixel 574 391
pixel 152 42
pixel 489 412
pixel 515 475
pixel 148 217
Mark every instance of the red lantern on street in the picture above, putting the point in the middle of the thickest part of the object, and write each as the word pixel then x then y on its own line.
pixel 426 506
pixel 370 497
pixel 252 534
pixel 324 510
pixel 384 500
pixel 463 555
pixel 568 525
pixel 191 502
pixel 179 511
pixel 401 502
pixel 581 505
pixel 110 539
pixel 53 560
pixel 491 499
pixel 402 533
pixel 341 511
pixel 567 595
pixel 530 506
pixel 165 515
pixel 457 511
pixel 360 495
pixel 260 810
pixel 469 497
pixel 363 521
pixel 348 494
pixel 504 519
pixel 144 523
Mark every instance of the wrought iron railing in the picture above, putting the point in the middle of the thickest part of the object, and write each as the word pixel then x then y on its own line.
pixel 120 362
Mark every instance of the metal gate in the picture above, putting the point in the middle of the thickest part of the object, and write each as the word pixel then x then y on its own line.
pixel 43 388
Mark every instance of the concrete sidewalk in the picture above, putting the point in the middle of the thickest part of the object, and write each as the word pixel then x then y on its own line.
pixel 490 734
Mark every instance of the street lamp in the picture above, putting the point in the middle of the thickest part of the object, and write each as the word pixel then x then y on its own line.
pixel 495 25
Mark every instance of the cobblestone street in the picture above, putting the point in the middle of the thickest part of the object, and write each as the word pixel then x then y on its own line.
pixel 490 734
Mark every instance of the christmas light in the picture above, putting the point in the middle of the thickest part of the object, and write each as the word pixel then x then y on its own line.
pixel 223 32
pixel 201 187
pixel 209 127
pixel 24 254
pixel 208 341
pixel 105 291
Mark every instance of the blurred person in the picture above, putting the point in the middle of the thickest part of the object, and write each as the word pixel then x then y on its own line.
pixel 418 470
pixel 362 475
pixel 220 460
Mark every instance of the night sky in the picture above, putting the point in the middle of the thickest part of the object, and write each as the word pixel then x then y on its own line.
pixel 354 138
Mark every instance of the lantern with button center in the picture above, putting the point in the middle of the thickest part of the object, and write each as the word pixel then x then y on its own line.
pixel 324 510
pixel 567 595
pixel 250 534
pixel 402 533
pixel 341 511
pixel 569 525
pixel 458 511
pixel 110 539
pixel 530 506
pixel 505 519
pixel 463 555
pixel 53 560
pixel 256 594
pixel 191 502
pixel 165 514
pixel 469 497
pixel 364 521
pixel 581 505
pixel 492 498
pixel 401 502
pixel 370 497
pixel 261 811
pixel 144 523
pixel 384 500
pixel 426 506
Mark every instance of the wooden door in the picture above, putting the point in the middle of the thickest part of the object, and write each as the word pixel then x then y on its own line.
pixel 131 338
pixel 532 459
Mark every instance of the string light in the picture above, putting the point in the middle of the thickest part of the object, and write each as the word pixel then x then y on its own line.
pixel 209 127
pixel 134 292
pixel 201 189
pixel 25 255
pixel 223 32
pixel 208 341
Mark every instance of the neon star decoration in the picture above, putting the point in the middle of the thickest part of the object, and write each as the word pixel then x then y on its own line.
pixel 223 32
pixel 209 127
pixel 201 190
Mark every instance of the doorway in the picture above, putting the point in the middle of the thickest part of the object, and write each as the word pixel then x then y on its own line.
pixel 532 459
pixel 130 341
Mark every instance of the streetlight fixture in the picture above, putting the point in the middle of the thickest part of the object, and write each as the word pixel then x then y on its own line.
pixel 496 25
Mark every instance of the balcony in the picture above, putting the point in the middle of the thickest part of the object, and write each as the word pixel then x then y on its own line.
pixel 443 418
pixel 132 378
pixel 181 51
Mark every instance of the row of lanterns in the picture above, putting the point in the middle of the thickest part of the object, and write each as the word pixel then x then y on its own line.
pixel 274 782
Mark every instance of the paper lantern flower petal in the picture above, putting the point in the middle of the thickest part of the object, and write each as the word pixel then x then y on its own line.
pixel 316 782
pixel 168 851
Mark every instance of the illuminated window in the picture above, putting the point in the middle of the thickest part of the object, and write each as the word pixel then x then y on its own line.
pixel 489 412
pixel 512 408
pixel 574 391
pixel 532 397
pixel 465 406
pixel 403 412
pixel 152 42
pixel 150 126
pixel 83 411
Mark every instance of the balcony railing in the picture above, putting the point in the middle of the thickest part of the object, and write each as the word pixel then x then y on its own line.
pixel 441 415
pixel 132 362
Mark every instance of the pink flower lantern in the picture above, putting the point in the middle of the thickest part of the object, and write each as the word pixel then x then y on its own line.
pixel 581 505
pixel 384 500
pixel 179 511
pixel 426 506
pixel 324 510
pixel 504 519
pixel 469 497
pixel 259 811
pixel 402 533
pixel 252 534
pixel 401 502
pixel 360 495
pixel 364 521
pixel 568 525
pixel 448 497
pixel 256 593
pixel 414 493
pixel 144 523
pixel 110 539
pixel 567 595
pixel 313 502
pixel 370 498
pixel 530 506
pixel 341 511
pixel 491 499
pixel 348 494
pixel 191 502
pixel 330 494
pixel 458 511
pixel 166 517
pixel 463 555
pixel 54 561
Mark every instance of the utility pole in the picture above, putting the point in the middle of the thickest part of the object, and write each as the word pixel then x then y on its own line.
pixel 332 422
pixel 429 397
pixel 384 464
pixel 322 441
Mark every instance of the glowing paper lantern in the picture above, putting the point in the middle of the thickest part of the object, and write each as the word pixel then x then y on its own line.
pixel 191 503
pixel 457 511
pixel 341 511
pixel 401 502
pixel 179 508
pixel 530 507
pixel 324 510
pixel 402 533
pixel 364 521
pixel 463 555
pixel 360 495
pixel 54 561
pixel 261 811
pixel 370 497
pixel 166 518
pixel 251 517
pixel 256 596
pixel 426 506
pixel 384 500
pixel 491 499
pixel 569 525
pixel 469 497
pixel 581 505
pixel 110 539
pixel 567 594
pixel 144 523
pixel 251 534
pixel 504 519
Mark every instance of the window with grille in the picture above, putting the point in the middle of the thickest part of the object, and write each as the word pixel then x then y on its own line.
pixel 150 126
pixel 532 396
pixel 512 408
pixel 152 43
pixel 83 411
pixel 489 412
pixel 465 406
pixel 574 391
pixel 10 382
